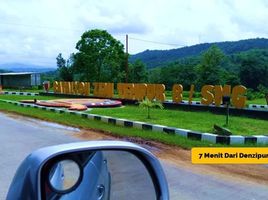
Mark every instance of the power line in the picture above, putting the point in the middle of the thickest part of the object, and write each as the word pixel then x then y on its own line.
pixel 76 30
pixel 156 42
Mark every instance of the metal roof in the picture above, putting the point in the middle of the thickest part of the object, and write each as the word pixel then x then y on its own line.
pixel 18 73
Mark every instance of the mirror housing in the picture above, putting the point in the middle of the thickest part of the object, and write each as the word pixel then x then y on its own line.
pixel 26 183
pixel 63 171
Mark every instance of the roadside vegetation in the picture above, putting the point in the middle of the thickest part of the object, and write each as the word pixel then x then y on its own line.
pixel 77 121
pixel 197 121
pixel 122 132
pixel 213 66
pixel 234 63
pixel 148 105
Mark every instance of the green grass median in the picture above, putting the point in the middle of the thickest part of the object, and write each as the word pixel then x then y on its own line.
pixel 77 121
pixel 197 121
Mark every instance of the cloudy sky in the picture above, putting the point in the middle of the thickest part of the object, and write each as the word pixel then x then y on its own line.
pixel 35 31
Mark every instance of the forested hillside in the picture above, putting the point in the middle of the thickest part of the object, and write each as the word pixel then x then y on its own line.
pixel 249 68
pixel 156 58
pixel 244 62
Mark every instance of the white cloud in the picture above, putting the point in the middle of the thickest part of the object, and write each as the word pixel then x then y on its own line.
pixel 36 31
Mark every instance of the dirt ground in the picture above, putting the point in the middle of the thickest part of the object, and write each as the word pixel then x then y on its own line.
pixel 182 158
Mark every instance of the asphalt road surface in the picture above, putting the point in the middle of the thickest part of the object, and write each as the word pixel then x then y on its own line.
pixel 20 136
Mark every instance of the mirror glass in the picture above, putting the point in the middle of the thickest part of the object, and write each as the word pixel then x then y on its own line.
pixel 63 175
pixel 113 175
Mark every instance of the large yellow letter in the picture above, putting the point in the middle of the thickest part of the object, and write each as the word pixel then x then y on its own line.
pixel 129 91
pixel 109 90
pixel 81 88
pixel 102 90
pixel 120 90
pixel 150 91
pixel 140 91
pixel 207 96
pixel 56 87
pixel 96 89
pixel 177 90
pixel 220 92
pixel 160 92
pixel 86 91
pixel 72 88
pixel 61 86
pixel 68 88
pixel 238 100
pixel 64 87
pixel 191 94
pixel 76 87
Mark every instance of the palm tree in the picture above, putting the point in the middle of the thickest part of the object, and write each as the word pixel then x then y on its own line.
pixel 147 104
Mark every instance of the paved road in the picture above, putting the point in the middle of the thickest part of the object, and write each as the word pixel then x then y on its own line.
pixel 18 137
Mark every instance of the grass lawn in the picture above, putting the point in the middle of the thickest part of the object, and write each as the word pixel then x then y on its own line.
pixel 77 121
pixel 197 121
pixel 191 121
pixel 257 101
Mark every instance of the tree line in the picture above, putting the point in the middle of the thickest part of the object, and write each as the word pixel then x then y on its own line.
pixel 213 67
pixel 101 58
pixel 156 58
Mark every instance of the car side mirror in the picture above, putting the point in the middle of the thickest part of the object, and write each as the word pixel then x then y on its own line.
pixel 97 170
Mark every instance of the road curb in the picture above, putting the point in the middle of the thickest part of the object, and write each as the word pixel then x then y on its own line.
pixel 213 138
pixel 21 93
pixel 255 106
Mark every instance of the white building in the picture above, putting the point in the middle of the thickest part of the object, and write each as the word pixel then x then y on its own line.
pixel 20 79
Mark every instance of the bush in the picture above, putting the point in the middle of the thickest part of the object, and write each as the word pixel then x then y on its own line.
pixel 147 104
pixel 262 89
pixel 251 94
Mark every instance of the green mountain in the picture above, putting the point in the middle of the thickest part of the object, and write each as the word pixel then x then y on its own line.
pixel 19 67
pixel 156 58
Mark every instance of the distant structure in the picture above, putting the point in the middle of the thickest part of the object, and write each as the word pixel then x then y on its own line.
pixel 20 80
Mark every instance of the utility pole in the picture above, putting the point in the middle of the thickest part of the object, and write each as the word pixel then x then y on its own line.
pixel 126 70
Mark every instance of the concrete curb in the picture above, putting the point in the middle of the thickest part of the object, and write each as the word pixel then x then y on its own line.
pixel 21 93
pixel 198 103
pixel 213 138
pixel 254 106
